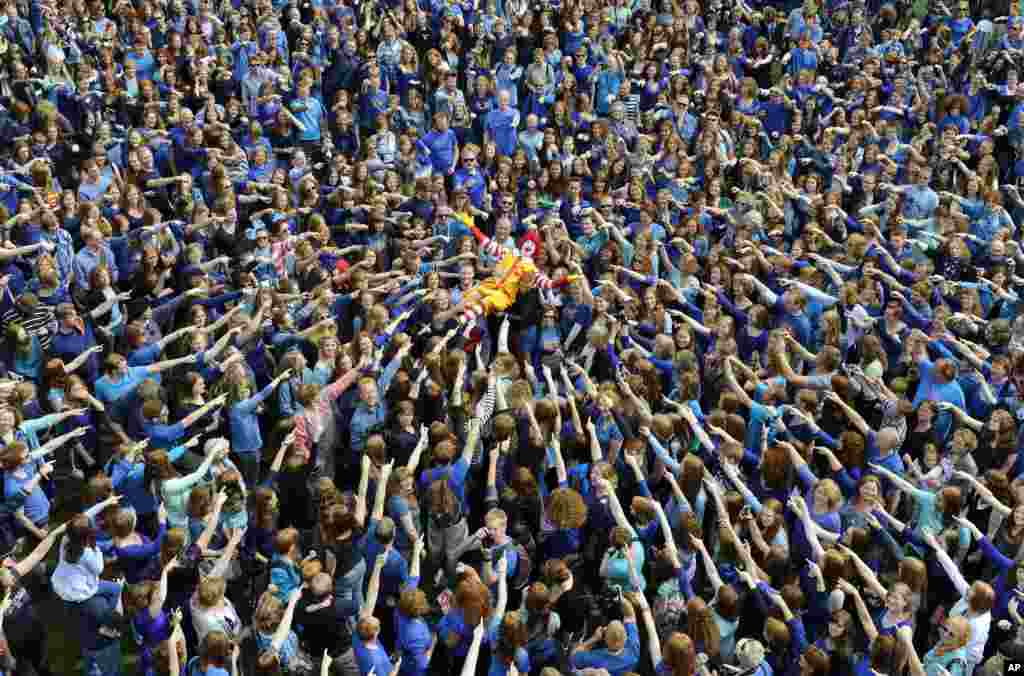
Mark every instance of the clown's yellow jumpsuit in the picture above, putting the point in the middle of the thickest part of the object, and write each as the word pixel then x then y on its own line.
pixel 498 292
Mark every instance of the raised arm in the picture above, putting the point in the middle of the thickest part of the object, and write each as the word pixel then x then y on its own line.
pixel 556 450
pixel 220 569
pixel 855 418
pixel 47 421
pixel 502 603
pixel 870 630
pixel 588 384
pixel 364 485
pixel 865 572
pixel 948 565
pixel 732 472
pixel 278 461
pixel 180 484
pixel 640 603
pixel 698 430
pixel 791 376
pixel 961 415
pixel 169 364
pixel 666 531
pixel 799 507
pixel 906 639
pixel 730 381
pixel 570 391
pixel 709 564
pixel 55 443
pixel 283 629
pixel 156 601
pixel 616 508
pixel 596 454
pixel 471 440
pixel 639 403
pixel 469 666
pixel 382 492
pixel 984 493
pixel 373 588
pixel 37 555
pixel 898 481
pixel 417 453
pixel 77 362
pixel 212 522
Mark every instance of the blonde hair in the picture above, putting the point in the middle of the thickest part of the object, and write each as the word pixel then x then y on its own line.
pixel 615 636
pixel 268 613
pixel 959 635
pixel 210 591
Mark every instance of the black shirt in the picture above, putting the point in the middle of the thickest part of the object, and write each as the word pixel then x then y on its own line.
pixel 323 629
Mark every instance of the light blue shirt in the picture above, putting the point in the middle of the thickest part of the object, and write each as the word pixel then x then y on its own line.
pixel 88 260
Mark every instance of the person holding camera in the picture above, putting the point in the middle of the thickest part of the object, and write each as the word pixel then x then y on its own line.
pixel 623 563
pixel 621 650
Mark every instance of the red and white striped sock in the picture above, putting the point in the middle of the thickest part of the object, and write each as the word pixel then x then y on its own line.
pixel 469 318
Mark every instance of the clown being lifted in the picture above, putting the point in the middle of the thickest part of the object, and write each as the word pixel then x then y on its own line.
pixel 515 270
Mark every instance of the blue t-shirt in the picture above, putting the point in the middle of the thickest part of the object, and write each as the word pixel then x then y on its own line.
pixel 618 569
pixel 760 415
pixel 371 657
pixel 456 473
pixel 109 391
pixel 501 127
pixel 310 117
pixel 455 622
pixel 145 63
pixel 498 665
pixel 414 639
pixel 441 148
pixel 615 664
pixel 35 503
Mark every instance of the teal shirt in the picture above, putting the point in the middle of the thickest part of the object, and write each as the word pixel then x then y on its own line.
pixel 593 244
pixel 618 569
pixel 955 662
pixel 928 516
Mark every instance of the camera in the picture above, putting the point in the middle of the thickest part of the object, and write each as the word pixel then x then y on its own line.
pixel 608 604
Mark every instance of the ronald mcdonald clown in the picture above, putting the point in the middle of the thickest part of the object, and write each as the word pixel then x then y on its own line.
pixel 515 270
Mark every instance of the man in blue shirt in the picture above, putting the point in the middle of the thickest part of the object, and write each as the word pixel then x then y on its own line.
pixel 609 79
pixel 141 56
pixel 441 146
pixel 470 179
pixel 449 96
pixel 74 337
pixel 501 125
pixel 621 651
pixel 94 254
pixel 919 201
pixel 938 380
pixel 120 381
pixel 164 435
pixel 309 111
pixel 685 122
pixel 497 545
pixel 371 409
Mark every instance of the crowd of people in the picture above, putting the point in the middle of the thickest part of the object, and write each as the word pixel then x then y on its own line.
pixel 593 337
